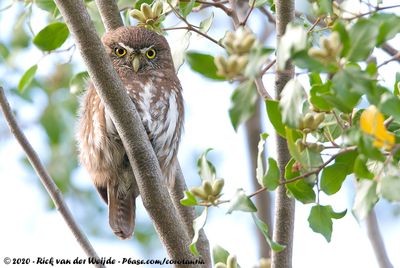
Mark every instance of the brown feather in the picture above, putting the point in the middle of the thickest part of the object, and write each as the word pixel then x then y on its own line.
pixel 157 94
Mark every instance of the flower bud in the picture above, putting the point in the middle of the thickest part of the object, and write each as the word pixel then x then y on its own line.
pixel 199 192
pixel 157 9
pixel 318 119
pixel 308 120
pixel 217 186
pixel 220 265
pixel 231 261
pixel 146 10
pixel 137 14
pixel 207 187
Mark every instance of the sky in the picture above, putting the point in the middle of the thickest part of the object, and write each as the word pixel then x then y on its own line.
pixel 30 230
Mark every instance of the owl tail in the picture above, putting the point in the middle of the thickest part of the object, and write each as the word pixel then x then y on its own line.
pixel 121 212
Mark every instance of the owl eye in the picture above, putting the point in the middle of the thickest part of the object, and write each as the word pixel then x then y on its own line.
pixel 119 51
pixel 151 53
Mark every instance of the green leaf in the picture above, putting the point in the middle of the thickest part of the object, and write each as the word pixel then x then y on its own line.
pixel 4 52
pixel 389 26
pixel 263 227
pixel 346 161
pixel 140 2
pixel 275 116
pixel 203 64
pixel 320 220
pixel 345 97
pixel 396 86
pixel 389 188
pixel 292 136
pixel 310 159
pixel 302 60
pixel 178 50
pixel 205 168
pixel 241 202
pixel 301 191
pixel 290 172
pixel 317 93
pixel 27 78
pixel 390 105
pixel 260 165
pixel 189 199
pixel 363 35
pixel 293 41
pixel 325 7
pixel 291 103
pixel 186 7
pixel 332 178
pixel 272 178
pixel 344 37
pixel 198 224
pixel 367 148
pixel 258 3
pixel 78 83
pixel 366 198
pixel 52 36
pixel 360 168
pixel 219 254
pixel 244 101
pixel 205 24
pixel 47 5
pixel 331 130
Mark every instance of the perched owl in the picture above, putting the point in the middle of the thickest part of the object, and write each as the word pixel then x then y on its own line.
pixel 142 59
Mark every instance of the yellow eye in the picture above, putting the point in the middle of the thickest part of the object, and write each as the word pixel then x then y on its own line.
pixel 119 51
pixel 150 53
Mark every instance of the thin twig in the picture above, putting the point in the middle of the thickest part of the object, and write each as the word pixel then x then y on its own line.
pixel 243 23
pixel 394 58
pixel 269 66
pixel 190 27
pixel 300 177
pixel 46 180
pixel 269 15
pixel 378 8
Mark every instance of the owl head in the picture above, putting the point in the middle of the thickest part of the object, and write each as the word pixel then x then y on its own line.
pixel 138 50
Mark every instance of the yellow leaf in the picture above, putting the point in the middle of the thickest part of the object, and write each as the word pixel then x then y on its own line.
pixel 372 123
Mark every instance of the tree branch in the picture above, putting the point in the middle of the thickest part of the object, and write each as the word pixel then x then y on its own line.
pixel 285 206
pixel 141 156
pixel 109 14
pixel 187 214
pixel 376 239
pixel 45 179
pixel 263 200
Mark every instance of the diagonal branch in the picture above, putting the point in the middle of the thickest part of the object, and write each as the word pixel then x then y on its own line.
pixel 376 239
pixel 46 180
pixel 109 14
pixel 141 156
pixel 112 20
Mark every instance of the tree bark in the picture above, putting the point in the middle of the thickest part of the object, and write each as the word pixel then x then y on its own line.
pixel 263 200
pixel 285 206
pixel 109 14
pixel 46 180
pixel 376 239
pixel 144 163
pixel 111 18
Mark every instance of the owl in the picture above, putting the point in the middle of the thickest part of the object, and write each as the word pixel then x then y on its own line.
pixel 143 61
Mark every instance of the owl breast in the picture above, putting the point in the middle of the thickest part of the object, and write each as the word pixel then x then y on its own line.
pixel 161 110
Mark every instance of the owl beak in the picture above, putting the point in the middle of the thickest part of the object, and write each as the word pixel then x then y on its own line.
pixel 136 63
